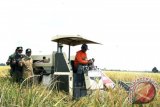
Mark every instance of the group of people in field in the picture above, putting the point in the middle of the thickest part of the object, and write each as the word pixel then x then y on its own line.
pixel 21 64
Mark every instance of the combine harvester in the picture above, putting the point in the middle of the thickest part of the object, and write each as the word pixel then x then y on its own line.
pixel 57 68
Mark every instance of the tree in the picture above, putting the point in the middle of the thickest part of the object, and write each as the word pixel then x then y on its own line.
pixel 155 70
pixel 2 64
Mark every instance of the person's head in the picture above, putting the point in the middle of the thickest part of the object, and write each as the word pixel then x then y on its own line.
pixel 19 50
pixel 28 52
pixel 84 47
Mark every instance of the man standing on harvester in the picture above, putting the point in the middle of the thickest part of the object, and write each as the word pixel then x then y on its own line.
pixel 80 61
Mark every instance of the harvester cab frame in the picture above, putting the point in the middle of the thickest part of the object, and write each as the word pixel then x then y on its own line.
pixel 55 67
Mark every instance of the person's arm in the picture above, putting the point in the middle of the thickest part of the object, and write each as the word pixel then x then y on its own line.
pixel 9 60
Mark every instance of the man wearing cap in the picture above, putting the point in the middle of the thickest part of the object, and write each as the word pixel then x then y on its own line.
pixel 17 73
pixel 27 63
pixel 80 61
pixel 13 62
pixel 81 57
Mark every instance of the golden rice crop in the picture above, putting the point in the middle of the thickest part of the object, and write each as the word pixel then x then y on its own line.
pixel 13 95
pixel 4 71
pixel 131 76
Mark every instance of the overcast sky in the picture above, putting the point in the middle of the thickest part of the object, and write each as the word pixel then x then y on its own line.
pixel 128 29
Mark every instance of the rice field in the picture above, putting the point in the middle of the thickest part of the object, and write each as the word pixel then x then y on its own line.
pixel 17 95
pixel 131 75
pixel 4 71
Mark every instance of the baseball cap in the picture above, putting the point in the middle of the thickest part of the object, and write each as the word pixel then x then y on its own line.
pixel 84 46
pixel 19 48
pixel 28 50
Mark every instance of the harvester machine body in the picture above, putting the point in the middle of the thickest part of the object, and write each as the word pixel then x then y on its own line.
pixel 56 68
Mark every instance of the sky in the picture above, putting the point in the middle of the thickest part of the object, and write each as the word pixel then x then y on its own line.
pixel 128 29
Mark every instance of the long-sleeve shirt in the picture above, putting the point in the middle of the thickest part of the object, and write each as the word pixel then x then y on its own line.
pixel 27 67
pixel 81 58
